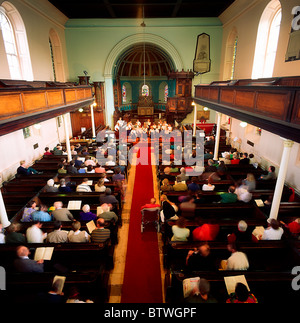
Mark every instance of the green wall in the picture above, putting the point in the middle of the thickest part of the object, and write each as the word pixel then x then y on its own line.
pixel 89 42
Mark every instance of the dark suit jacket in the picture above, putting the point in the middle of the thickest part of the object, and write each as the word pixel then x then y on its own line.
pixel 28 266
pixel 168 209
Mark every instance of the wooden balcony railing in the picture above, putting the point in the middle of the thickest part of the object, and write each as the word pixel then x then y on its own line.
pixel 273 104
pixel 20 100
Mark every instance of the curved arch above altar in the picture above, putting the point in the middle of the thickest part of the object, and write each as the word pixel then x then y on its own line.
pixel 129 41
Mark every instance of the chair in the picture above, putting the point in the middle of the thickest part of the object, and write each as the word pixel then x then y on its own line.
pixel 150 215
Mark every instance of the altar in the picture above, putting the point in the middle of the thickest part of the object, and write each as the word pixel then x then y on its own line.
pixel 145 111
pixel 145 106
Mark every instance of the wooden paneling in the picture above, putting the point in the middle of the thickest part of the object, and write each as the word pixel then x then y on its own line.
pixel 214 94
pixel 227 96
pixel 55 98
pixel 296 109
pixel 273 104
pixel 34 100
pixel 70 95
pixel 10 104
pixel 28 104
pixel 245 99
pixel 79 120
pixel 80 94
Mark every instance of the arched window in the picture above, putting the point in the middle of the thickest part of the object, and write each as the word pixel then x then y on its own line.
pixel 267 40
pixel 124 93
pixel 52 60
pixel 166 93
pixel 56 56
pixel 10 46
pixel 230 55
pixel 15 42
pixel 145 90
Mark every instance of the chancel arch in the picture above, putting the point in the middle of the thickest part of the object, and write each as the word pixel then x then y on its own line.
pixel 115 63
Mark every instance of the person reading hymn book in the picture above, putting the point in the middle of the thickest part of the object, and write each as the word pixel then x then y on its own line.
pixel 197 290
pixel 43 253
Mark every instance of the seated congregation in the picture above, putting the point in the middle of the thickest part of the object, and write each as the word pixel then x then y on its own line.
pixel 216 223
pixel 209 224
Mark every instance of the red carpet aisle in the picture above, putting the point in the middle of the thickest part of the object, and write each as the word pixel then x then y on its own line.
pixel 142 277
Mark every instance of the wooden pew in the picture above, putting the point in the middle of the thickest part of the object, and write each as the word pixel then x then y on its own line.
pixel 266 286
pixel 262 256
pixel 29 288
pixel 213 195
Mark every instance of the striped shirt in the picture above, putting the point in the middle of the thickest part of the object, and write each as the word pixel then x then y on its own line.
pixel 100 235
pixel 83 188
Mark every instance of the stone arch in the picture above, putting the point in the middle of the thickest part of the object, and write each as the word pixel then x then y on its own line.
pixel 140 38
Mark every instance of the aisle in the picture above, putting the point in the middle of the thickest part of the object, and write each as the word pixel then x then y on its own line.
pixel 142 277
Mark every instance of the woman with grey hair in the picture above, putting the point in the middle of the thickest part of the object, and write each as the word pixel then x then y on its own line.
pixel 86 214
pixel 50 186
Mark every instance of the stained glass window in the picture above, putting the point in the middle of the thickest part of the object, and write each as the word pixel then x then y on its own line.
pixel 233 59
pixel 166 93
pixel 52 59
pixel 124 94
pixel 145 90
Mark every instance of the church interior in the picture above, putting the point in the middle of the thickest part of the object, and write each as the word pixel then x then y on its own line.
pixel 125 126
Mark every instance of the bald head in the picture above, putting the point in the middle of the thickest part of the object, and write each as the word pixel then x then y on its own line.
pixel 22 251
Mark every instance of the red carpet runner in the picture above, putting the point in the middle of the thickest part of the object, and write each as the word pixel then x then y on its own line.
pixel 142 277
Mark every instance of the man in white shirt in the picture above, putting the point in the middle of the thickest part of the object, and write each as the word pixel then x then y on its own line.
pixel 237 261
pixel 273 232
pixel 34 234
pixel 84 187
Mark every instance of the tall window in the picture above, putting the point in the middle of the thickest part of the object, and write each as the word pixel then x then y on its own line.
pixel 230 55
pixel 145 90
pixel 233 59
pixel 52 59
pixel 56 56
pixel 166 93
pixel 124 98
pixel 272 44
pixel 10 47
pixel 267 40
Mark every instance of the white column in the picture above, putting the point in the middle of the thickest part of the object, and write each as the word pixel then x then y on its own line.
pixel 93 121
pixel 195 119
pixel 109 100
pixel 67 135
pixel 217 138
pixel 3 215
pixel 287 145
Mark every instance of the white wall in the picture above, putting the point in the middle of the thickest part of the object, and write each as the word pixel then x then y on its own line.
pixel 244 16
pixel 267 150
pixel 39 17
pixel 14 147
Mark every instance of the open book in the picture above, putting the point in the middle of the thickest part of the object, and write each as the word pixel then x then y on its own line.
pixel 259 203
pixel 231 282
pixel 91 226
pixel 74 205
pixel 61 282
pixel 189 285
pixel 258 232
pixel 44 253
